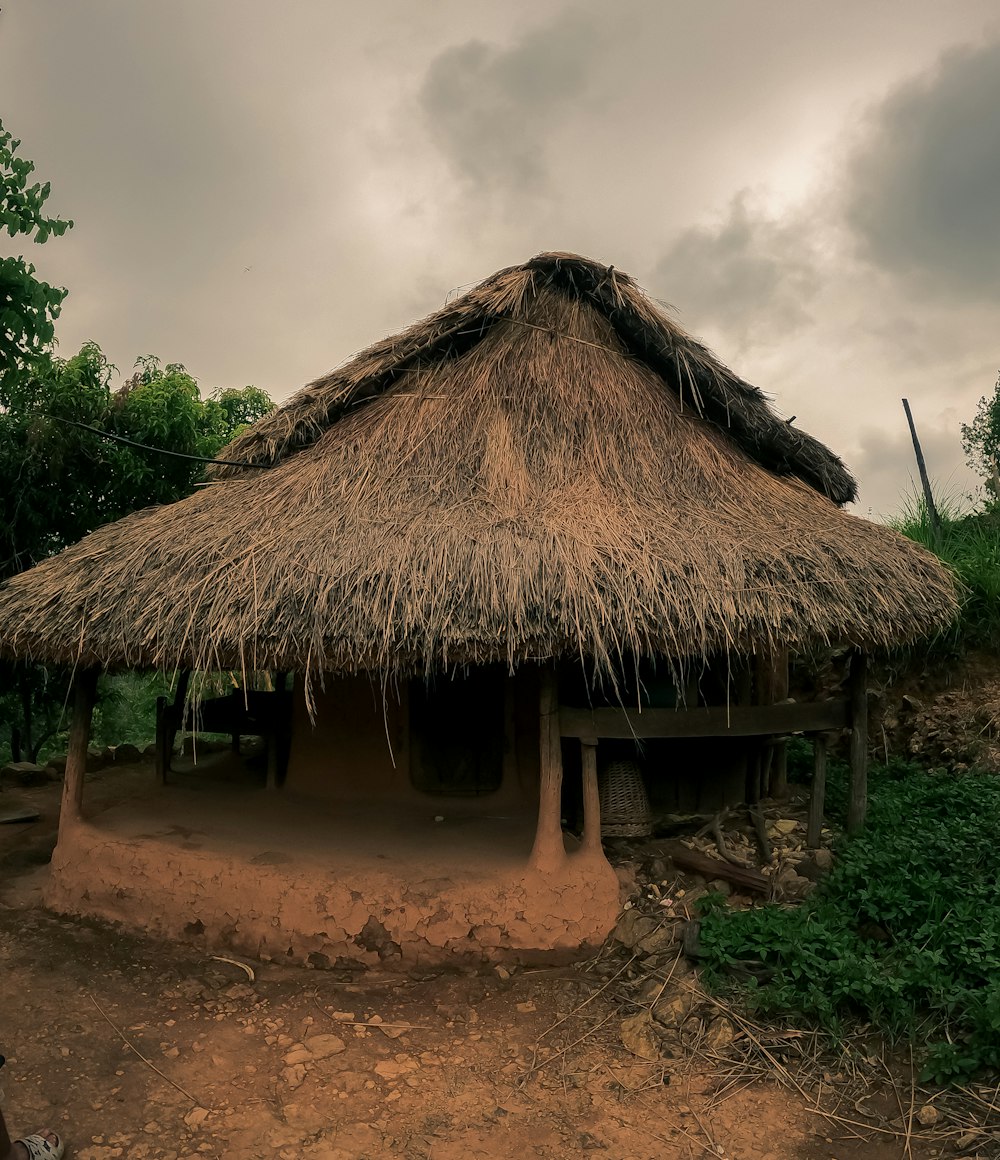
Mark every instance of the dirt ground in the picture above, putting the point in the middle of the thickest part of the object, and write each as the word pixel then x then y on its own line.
pixel 137 1049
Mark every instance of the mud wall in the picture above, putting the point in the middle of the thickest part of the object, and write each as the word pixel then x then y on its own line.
pixel 318 916
pixel 362 746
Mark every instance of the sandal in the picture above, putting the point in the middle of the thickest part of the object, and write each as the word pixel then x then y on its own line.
pixel 38 1148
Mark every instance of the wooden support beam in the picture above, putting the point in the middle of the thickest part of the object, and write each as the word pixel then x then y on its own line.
pixel 591 800
pixel 857 688
pixel 817 793
pixel 734 721
pixel 84 697
pixel 548 852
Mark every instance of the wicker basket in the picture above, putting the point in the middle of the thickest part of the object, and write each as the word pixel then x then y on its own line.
pixel 625 811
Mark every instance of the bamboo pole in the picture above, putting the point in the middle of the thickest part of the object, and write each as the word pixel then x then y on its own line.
pixel 817 792
pixel 925 483
pixel 858 693
pixel 548 852
pixel 591 800
pixel 84 696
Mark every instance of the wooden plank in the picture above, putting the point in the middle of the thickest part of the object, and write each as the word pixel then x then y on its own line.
pixel 591 799
pixel 857 685
pixel 737 721
pixel 817 793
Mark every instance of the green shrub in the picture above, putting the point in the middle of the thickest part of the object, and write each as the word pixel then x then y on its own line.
pixel 904 934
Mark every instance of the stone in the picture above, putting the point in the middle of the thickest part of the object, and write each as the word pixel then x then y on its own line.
pixel 672 1008
pixel 633 927
pixel 25 773
pixel 298 1054
pixel 196 1117
pixel 639 1037
pixel 392 1069
pixel 784 826
pixel 928 1115
pixel 720 886
pixel 659 941
pixel 719 1034
pixel 823 859
pixel 149 750
pixel 127 754
pixel 294 1075
pixel 95 760
pixel 323 1046
pixel 794 885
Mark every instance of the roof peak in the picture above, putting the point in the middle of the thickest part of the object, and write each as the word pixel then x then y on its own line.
pixel 702 383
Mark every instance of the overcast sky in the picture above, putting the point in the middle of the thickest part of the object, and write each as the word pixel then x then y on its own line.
pixel 262 189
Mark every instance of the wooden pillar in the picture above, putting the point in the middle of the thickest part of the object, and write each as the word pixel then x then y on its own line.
pixel 771 679
pixel 276 732
pixel 817 793
pixel 549 852
pixel 169 718
pixel 84 696
pixel 857 691
pixel 591 799
pixel 779 692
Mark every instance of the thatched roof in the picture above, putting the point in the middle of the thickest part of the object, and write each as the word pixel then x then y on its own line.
pixel 547 466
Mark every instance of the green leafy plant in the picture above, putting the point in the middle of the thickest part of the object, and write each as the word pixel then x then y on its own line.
pixel 904 934
pixel 28 306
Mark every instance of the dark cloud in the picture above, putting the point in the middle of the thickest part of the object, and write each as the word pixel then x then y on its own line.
pixel 924 187
pixel 492 110
pixel 749 273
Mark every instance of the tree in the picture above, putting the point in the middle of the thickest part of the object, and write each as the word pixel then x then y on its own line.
pixel 981 443
pixel 59 481
pixel 28 306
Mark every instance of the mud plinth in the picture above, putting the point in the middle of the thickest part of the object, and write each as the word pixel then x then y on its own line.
pixel 296 881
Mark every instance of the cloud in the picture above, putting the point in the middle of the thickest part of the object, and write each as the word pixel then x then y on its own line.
pixel 492 110
pixel 924 184
pixel 885 461
pixel 748 273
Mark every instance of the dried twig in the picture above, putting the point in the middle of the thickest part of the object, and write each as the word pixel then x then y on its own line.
pixel 148 1063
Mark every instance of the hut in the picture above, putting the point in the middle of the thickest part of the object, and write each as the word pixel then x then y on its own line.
pixel 543 520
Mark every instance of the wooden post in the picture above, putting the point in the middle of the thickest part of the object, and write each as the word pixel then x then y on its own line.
pixel 84 696
pixel 175 720
pixel 549 852
pixel 932 513
pixel 817 793
pixel 857 688
pixel 591 799
pixel 276 732
pixel 779 692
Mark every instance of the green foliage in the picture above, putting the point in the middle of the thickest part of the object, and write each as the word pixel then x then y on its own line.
pixel 126 708
pixel 58 482
pixel 970 545
pixel 981 443
pixel 904 934
pixel 28 306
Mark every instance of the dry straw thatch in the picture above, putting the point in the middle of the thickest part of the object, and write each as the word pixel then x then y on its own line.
pixel 548 466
